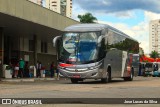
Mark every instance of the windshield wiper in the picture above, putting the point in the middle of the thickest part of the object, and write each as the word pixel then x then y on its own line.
pixel 87 62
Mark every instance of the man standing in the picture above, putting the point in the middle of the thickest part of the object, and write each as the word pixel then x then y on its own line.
pixel 52 68
pixel 21 68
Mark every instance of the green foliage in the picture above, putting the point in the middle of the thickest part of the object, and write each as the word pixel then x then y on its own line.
pixel 127 45
pixel 154 54
pixel 87 18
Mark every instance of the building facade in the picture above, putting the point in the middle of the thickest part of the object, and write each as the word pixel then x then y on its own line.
pixel 25 33
pixel 53 5
pixel 39 2
pixel 63 7
pixel 154 36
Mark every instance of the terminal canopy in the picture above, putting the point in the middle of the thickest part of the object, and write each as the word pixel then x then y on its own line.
pixel 148 59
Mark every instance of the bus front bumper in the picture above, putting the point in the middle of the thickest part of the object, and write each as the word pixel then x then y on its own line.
pixel 88 74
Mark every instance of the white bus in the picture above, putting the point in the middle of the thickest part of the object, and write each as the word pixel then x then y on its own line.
pixel 95 51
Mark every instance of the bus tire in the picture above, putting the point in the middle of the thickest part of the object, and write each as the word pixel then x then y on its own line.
pixel 108 77
pixel 130 78
pixel 73 80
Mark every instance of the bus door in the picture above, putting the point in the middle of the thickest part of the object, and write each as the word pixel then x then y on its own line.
pixel 129 64
pixel 124 60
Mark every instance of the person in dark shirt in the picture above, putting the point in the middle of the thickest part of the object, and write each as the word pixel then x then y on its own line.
pixel 52 68
pixel 38 68
pixel 26 70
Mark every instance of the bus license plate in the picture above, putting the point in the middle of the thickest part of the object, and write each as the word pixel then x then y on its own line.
pixel 76 76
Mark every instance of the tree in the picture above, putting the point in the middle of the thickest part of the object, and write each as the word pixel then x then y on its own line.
pixel 154 54
pixel 87 18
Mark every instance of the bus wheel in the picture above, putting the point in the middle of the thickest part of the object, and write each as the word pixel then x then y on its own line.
pixel 129 78
pixel 73 80
pixel 108 77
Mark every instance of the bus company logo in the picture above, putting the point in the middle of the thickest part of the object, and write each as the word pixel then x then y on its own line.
pixel 6 101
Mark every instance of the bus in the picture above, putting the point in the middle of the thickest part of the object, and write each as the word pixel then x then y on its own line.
pixel 95 51
pixel 136 63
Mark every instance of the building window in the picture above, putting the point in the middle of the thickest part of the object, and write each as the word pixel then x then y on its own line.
pixel 44 48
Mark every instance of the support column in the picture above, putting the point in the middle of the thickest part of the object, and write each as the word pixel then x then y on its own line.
pixel 19 47
pixel 35 49
pixel 1 50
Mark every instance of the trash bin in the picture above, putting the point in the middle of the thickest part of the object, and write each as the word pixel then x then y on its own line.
pixel 7 71
pixel 42 73
pixel 32 71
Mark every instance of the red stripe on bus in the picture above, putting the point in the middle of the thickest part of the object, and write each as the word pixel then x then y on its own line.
pixel 66 65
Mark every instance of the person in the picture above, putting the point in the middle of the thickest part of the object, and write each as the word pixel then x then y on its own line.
pixel 26 70
pixel 52 67
pixel 140 70
pixel 57 72
pixel 21 68
pixel 155 67
pixel 16 69
pixel 38 68
pixel 12 69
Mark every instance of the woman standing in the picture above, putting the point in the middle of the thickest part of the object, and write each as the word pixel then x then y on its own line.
pixel 16 68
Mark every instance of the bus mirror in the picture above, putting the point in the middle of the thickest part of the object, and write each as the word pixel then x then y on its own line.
pixel 55 40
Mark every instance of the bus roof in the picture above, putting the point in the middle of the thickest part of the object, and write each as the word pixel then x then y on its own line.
pixel 93 27
pixel 85 27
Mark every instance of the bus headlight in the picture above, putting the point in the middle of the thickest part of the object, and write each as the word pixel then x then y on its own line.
pixel 91 68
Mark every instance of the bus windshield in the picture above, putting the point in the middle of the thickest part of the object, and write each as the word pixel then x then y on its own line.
pixel 79 47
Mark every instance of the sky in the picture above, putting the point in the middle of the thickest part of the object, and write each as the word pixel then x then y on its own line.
pixel 130 16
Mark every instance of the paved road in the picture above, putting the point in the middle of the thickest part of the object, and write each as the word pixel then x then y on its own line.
pixel 141 87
